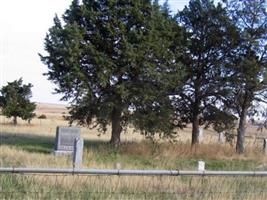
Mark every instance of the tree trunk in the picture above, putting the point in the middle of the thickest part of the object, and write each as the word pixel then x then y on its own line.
pixel 116 127
pixel 15 121
pixel 196 114
pixel 195 130
pixel 241 131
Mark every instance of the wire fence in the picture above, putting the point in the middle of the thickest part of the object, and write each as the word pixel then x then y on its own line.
pixel 104 186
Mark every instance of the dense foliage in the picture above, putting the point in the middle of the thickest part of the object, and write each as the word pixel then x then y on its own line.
pixel 15 101
pixel 125 61
pixel 248 65
pixel 209 36
pixel 116 61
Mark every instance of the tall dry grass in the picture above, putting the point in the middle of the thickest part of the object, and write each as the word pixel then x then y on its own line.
pixel 131 187
pixel 32 145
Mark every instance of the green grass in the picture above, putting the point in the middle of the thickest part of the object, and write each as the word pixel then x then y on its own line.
pixel 27 142
pixel 238 165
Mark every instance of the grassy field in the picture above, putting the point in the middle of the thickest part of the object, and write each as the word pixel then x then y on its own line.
pixel 31 145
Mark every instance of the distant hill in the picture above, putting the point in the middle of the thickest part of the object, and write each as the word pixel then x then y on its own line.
pixel 51 109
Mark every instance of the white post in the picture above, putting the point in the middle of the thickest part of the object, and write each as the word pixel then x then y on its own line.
pixel 200 133
pixel 201 166
pixel 221 138
pixel 78 152
pixel 117 166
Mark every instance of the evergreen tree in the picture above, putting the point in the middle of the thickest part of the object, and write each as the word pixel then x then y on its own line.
pixel 208 32
pixel 15 101
pixel 247 68
pixel 115 60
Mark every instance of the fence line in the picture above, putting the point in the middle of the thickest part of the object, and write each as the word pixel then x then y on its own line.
pixel 128 172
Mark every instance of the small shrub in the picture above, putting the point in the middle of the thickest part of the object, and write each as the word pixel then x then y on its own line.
pixel 230 136
pixel 42 116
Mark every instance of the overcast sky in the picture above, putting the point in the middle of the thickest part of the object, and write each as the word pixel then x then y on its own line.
pixel 22 32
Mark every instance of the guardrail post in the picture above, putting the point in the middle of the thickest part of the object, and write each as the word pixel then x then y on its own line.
pixel 117 166
pixel 201 165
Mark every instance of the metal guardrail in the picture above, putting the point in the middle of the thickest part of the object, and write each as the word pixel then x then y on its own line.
pixel 126 172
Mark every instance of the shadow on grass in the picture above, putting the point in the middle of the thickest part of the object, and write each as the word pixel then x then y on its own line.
pixel 28 142
pixel 133 154
pixel 39 143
